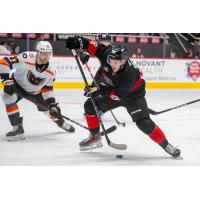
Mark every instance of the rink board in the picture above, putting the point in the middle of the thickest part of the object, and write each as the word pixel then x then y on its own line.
pixel 158 73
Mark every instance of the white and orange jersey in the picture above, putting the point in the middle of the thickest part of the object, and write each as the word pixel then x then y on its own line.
pixel 26 74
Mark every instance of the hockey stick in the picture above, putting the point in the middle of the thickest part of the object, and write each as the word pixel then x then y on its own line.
pixel 111 144
pixel 116 120
pixel 153 112
pixel 20 92
pixel 109 130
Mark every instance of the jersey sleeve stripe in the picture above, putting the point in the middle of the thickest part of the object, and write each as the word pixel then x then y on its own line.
pixel 49 72
pixel 29 63
pixel 6 62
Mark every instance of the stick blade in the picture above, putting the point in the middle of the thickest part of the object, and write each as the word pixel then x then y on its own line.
pixel 118 146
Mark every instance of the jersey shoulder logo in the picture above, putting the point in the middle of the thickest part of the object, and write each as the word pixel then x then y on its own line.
pixel 35 80
pixel 28 56
pixel 31 55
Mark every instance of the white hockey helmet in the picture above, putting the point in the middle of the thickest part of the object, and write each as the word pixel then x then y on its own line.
pixel 44 46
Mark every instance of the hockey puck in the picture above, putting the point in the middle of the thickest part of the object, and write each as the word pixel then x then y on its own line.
pixel 119 156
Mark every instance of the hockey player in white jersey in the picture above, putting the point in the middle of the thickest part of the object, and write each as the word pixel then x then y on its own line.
pixel 32 72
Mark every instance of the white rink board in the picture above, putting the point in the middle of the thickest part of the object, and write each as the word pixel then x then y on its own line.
pixel 154 69
pixel 169 70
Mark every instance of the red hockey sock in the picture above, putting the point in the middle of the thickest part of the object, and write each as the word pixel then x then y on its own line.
pixel 92 121
pixel 157 135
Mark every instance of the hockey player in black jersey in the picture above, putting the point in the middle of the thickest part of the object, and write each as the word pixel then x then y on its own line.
pixel 121 84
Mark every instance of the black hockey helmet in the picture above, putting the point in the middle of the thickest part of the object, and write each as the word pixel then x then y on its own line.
pixel 104 36
pixel 117 52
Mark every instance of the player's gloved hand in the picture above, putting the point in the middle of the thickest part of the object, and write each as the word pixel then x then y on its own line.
pixel 8 82
pixel 90 90
pixel 74 43
pixel 54 110
pixel 4 76
pixel 84 57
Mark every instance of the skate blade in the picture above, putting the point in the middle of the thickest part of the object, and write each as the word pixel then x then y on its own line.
pixel 69 132
pixel 177 158
pixel 95 146
pixel 16 138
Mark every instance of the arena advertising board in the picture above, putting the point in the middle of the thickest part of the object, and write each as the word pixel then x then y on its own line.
pixel 158 73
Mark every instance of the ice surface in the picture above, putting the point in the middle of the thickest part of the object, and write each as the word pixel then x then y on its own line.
pixel 46 144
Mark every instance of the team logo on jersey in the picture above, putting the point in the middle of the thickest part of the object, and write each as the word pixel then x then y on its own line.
pixel 193 70
pixel 31 55
pixel 35 80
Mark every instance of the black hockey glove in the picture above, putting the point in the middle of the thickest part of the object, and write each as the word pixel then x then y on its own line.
pixel 96 93
pixel 8 82
pixel 4 76
pixel 8 86
pixel 74 43
pixel 84 57
pixel 90 90
pixel 54 110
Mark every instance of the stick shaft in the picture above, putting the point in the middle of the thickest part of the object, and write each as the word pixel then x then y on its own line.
pixel 153 112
